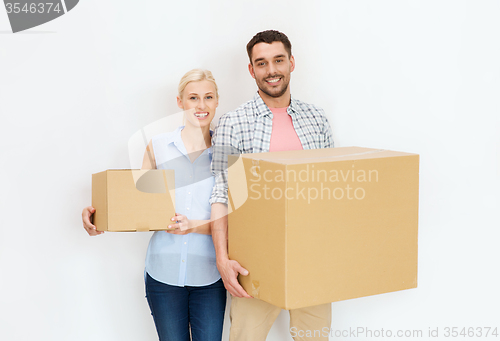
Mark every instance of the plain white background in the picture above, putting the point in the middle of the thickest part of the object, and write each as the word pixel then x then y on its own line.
pixel 415 76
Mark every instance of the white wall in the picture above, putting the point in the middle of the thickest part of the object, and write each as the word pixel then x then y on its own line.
pixel 416 76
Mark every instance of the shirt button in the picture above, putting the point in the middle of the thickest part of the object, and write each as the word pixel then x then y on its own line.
pixel 187 208
pixel 185 243
pixel 183 260
pixel 189 192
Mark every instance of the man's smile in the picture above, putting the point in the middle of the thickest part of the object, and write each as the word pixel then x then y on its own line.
pixel 273 80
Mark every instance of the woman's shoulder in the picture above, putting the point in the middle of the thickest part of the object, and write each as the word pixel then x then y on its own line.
pixel 166 137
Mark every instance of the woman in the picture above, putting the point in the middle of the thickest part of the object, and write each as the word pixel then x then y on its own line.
pixel 183 287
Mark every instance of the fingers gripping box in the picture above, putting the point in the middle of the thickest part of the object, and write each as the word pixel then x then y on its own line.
pixel 318 226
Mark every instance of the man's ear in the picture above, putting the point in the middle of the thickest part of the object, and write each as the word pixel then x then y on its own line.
pixel 179 103
pixel 292 63
pixel 250 69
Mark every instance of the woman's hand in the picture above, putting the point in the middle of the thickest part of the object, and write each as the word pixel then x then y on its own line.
pixel 182 225
pixel 87 224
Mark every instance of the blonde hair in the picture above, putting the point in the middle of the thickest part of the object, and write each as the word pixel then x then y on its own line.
pixel 197 75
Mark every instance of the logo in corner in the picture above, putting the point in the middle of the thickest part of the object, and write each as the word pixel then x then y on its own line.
pixel 25 14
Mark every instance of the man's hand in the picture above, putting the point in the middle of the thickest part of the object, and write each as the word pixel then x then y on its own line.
pixel 87 224
pixel 229 270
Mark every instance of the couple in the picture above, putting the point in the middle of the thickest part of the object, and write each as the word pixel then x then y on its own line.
pixel 183 285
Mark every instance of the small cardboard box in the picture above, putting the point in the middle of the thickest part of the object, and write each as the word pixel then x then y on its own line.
pixel 133 200
pixel 318 226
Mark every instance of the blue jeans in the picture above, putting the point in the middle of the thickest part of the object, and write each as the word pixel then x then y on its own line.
pixel 175 309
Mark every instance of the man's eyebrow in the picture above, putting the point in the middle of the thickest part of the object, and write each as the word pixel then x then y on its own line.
pixel 277 56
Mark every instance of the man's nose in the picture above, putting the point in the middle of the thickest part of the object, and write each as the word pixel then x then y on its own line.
pixel 272 70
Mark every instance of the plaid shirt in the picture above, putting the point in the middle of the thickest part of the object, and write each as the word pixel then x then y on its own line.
pixel 248 130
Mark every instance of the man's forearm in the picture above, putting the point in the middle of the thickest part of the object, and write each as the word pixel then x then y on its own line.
pixel 219 230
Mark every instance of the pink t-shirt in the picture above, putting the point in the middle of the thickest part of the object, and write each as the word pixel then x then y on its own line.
pixel 283 136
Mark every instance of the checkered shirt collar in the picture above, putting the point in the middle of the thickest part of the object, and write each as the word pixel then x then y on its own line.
pixel 263 109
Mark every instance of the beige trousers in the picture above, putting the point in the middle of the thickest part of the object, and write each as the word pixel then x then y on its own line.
pixel 251 320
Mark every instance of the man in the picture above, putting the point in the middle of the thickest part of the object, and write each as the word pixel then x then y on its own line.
pixel 271 121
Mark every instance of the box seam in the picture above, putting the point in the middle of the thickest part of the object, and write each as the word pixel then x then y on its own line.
pixel 106 200
pixel 286 243
pixel 330 157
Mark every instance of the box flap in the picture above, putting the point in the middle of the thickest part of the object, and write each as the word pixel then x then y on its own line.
pixel 323 155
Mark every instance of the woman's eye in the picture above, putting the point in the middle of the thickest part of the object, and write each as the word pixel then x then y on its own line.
pixel 192 98
pixel 209 97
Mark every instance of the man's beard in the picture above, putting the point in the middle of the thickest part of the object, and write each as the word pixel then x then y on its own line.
pixel 282 90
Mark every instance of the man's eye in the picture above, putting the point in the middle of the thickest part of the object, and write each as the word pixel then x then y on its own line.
pixel 279 60
pixel 261 64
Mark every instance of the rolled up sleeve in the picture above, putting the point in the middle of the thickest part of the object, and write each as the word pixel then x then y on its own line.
pixel 327 132
pixel 224 143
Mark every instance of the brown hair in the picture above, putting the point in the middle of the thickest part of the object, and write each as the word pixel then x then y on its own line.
pixel 269 37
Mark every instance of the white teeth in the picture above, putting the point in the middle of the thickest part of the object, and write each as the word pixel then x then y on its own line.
pixel 201 115
pixel 274 80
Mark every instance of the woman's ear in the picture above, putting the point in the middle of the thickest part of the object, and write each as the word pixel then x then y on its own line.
pixel 179 103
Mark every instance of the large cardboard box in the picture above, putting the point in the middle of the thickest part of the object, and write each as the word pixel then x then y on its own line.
pixel 318 226
pixel 133 200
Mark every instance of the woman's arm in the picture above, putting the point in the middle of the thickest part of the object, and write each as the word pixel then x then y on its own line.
pixel 149 161
pixel 201 226
pixel 188 226
pixel 185 226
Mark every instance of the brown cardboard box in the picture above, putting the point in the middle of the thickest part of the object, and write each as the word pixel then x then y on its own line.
pixel 133 200
pixel 318 226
